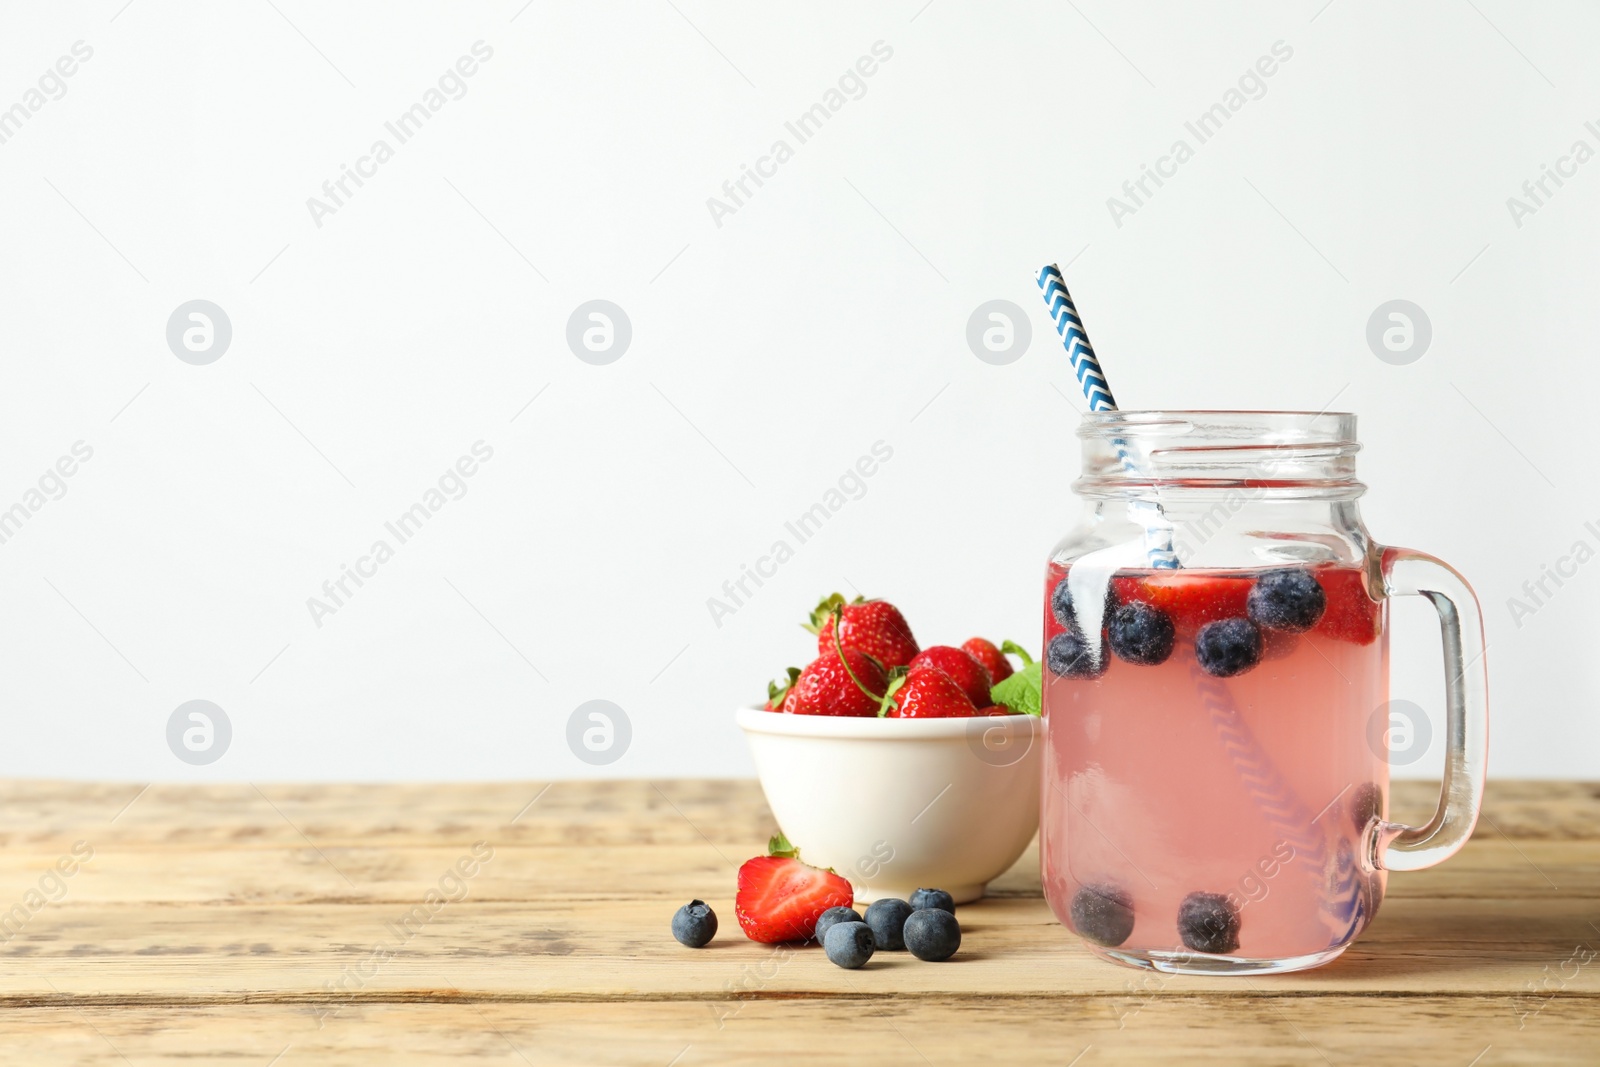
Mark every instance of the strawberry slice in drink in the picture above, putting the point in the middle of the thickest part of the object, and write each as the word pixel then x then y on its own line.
pixel 1351 615
pixel 1194 599
pixel 1191 599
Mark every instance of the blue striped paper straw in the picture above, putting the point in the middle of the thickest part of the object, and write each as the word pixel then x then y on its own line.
pixel 1092 380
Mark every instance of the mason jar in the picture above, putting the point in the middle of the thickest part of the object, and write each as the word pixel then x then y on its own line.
pixel 1216 695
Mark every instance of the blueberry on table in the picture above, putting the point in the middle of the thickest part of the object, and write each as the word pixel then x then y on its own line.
pixel 1288 599
pixel 933 898
pixel 695 924
pixel 849 944
pixel 1068 656
pixel 887 917
pixel 1228 647
pixel 1102 914
pixel 932 934
pixel 839 914
pixel 1208 922
pixel 1141 633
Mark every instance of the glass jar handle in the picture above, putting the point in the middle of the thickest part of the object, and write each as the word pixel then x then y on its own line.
pixel 1398 847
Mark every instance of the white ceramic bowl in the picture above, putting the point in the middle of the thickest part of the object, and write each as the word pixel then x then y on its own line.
pixel 898 804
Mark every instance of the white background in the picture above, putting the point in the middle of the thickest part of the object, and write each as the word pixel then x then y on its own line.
pixel 768 353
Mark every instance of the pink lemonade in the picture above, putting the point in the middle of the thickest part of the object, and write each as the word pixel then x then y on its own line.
pixel 1215 800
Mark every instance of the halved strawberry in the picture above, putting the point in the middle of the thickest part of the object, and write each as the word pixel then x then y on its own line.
pixel 1351 615
pixel 929 693
pixel 1192 600
pixel 991 657
pixel 780 898
pixel 973 677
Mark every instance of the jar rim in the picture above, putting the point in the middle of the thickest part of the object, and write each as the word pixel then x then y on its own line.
pixel 1286 453
pixel 1145 415
pixel 1114 412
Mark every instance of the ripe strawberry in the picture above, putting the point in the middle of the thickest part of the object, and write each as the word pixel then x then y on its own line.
pixel 985 653
pixel 972 676
pixel 1351 615
pixel 780 898
pixel 929 693
pixel 1192 600
pixel 827 687
pixel 777 694
pixel 875 627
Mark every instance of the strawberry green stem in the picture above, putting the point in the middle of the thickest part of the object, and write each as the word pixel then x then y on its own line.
pixel 1017 650
pixel 837 614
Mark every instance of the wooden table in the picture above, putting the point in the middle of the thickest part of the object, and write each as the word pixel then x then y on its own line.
pixel 315 924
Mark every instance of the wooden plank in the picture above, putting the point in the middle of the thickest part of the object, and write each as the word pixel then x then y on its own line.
pixel 727 813
pixel 265 815
pixel 600 948
pixel 1246 1031
pixel 1492 869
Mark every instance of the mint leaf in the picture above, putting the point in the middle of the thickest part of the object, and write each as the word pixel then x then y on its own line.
pixel 1023 692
